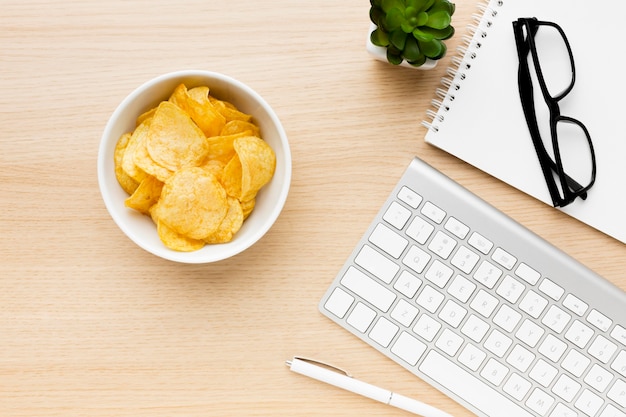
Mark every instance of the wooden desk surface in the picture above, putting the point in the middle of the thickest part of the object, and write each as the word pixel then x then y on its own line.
pixel 91 325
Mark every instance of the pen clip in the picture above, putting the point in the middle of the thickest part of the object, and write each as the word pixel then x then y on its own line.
pixel 322 364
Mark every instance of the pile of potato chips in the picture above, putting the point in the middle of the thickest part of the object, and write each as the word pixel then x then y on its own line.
pixel 194 164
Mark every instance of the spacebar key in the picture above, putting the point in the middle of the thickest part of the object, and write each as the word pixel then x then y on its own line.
pixel 469 388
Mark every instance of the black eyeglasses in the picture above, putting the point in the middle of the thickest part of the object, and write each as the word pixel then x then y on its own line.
pixel 568 160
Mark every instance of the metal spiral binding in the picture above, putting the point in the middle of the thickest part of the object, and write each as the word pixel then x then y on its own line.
pixel 458 71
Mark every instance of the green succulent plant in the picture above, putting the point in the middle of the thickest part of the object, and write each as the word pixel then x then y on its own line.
pixel 412 30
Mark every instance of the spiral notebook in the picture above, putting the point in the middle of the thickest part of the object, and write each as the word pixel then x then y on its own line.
pixel 479 119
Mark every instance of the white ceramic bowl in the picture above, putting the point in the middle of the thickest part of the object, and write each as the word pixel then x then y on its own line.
pixel 270 199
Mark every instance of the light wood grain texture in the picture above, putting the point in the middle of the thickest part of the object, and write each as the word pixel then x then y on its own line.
pixel 91 325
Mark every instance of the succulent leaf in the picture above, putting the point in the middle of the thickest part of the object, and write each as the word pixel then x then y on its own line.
pixel 412 52
pixel 398 39
pixel 379 38
pixel 394 20
pixel 438 20
pixel 387 5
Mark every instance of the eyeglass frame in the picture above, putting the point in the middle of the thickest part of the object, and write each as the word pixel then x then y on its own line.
pixel 570 188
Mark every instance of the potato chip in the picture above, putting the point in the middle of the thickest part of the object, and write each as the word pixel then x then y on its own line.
pixel 144 161
pixel 174 140
pixel 258 163
pixel 247 207
pixel 128 163
pixel 176 241
pixel 195 102
pixel 146 195
pixel 230 225
pixel 146 116
pixel 192 202
pixel 221 148
pixel 231 177
pixel 127 183
pixel 228 110
pixel 240 126
pixel 215 167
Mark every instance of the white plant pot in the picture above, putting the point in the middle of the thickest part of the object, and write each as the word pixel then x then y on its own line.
pixel 380 53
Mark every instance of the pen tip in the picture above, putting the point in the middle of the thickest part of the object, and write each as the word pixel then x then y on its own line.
pixel 288 363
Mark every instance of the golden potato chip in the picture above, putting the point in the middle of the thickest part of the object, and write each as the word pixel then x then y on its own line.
pixel 258 163
pixel 146 195
pixel 240 126
pixel 221 148
pixel 228 110
pixel 128 163
pixel 174 140
pixel 176 241
pixel 215 167
pixel 192 202
pixel 126 182
pixel 146 116
pixel 195 102
pixel 145 162
pixel 231 177
pixel 230 225
pixel 247 207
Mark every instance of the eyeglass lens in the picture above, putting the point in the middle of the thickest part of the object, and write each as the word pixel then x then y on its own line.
pixel 554 60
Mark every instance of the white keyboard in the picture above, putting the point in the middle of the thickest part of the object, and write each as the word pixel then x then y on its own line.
pixel 481 308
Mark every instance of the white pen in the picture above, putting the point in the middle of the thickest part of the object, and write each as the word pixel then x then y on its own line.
pixel 340 378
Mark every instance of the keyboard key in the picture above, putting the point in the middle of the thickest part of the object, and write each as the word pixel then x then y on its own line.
pixel 439 274
pixel 410 197
pixel 442 245
pixel 368 289
pixel 420 230
pixel 433 212
pixel 504 259
pixel 520 358
pixel 377 264
pixel 611 411
pixel 475 328
pixel 618 392
pixel 361 317
pixel 589 403
pixel 461 288
pixel 598 378
pixel 465 259
pixel 383 332
pixel 510 289
pixel 469 388
pixel 449 342
pixel 517 387
pixel 543 373
pixel 575 305
pixel 487 274
pixel 550 289
pixel 533 304
pixel 566 388
pixel 599 320
pixel 579 334
pixel 507 318
pixel 562 411
pixel 396 215
pixel 527 273
pixel 602 349
pixel 494 372
pixel 498 343
pixel 408 348
pixel 388 240
pixel 452 313
pixel 404 313
pixel 416 259
pixel 540 402
pixel 457 228
pixel 430 299
pixel 529 333
pixel 339 302
pixel 619 334
pixel 407 284
pixel 575 363
pixel 552 348
pixel 427 327
pixel 484 303
pixel 619 364
pixel 480 243
pixel 556 319
pixel 472 357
